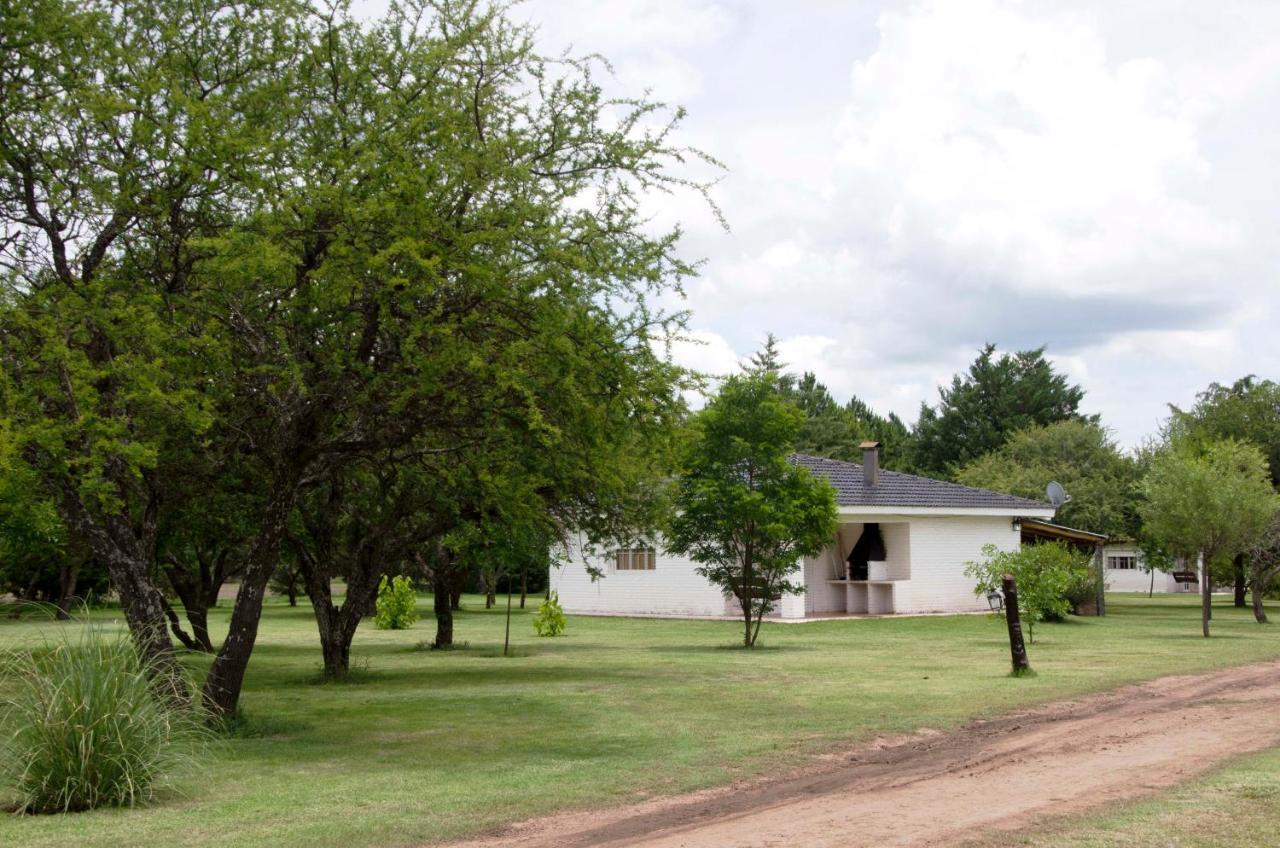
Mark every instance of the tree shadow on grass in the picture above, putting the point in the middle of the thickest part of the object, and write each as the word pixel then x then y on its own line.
pixel 760 648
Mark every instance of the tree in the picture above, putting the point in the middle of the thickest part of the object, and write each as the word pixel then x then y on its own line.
pixel 1263 557
pixel 1080 455
pixel 1210 502
pixel 126 139
pixel 1248 410
pixel 997 397
pixel 1047 574
pixel 741 509
pixel 345 242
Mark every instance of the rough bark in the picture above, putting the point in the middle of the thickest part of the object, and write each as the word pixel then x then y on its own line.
pixel 1259 612
pixel 337 624
pixel 443 579
pixel 67 577
pixel 1206 595
pixel 226 676
pixel 176 626
pixel 197 588
pixel 125 551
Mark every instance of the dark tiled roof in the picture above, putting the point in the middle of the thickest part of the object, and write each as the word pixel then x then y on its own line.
pixel 898 489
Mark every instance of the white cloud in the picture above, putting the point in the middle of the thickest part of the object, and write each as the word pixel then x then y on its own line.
pixel 1012 145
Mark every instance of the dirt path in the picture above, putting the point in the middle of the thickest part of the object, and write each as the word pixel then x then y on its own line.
pixel 945 788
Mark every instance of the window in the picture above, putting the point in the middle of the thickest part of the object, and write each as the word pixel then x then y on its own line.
pixel 1122 563
pixel 636 559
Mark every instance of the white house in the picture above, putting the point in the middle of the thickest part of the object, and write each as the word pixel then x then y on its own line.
pixel 1126 571
pixel 901 547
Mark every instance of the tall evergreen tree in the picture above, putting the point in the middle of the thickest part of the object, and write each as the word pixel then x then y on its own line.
pixel 996 397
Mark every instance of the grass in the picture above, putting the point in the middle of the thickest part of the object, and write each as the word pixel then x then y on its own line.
pixel 1237 807
pixel 428 745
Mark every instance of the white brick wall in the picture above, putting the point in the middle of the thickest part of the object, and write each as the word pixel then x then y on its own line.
pixel 672 588
pixel 940 547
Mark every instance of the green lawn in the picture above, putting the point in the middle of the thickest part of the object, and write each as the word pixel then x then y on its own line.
pixel 1238 807
pixel 429 745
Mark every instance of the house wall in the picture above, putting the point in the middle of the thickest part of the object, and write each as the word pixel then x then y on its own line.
pixel 940 547
pixel 672 588
pixel 1139 579
pixel 926 553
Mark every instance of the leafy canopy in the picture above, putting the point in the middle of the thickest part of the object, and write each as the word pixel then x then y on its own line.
pixel 1102 482
pixel 997 397
pixel 1217 500
pixel 743 512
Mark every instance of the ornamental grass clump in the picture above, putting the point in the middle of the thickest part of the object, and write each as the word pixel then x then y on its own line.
pixel 84 726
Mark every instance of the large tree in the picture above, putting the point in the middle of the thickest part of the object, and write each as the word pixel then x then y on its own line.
pixel 341 240
pixel 742 510
pixel 129 133
pixel 1102 481
pixel 1208 502
pixel 996 397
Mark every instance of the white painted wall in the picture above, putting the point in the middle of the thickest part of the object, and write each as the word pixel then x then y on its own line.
pixel 672 588
pixel 926 553
pixel 1139 579
pixel 940 547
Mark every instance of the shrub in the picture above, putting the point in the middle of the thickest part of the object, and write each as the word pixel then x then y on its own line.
pixel 397 606
pixel 1046 575
pixel 550 619
pixel 84 726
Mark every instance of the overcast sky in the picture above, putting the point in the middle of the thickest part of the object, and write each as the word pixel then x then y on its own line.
pixel 907 181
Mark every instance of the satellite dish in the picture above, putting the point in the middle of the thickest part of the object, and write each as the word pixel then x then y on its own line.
pixel 1056 494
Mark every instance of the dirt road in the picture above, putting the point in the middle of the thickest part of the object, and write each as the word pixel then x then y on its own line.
pixel 943 788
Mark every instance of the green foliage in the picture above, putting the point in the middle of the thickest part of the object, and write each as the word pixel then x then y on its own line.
pixel 1248 410
pixel 84 726
pixel 997 397
pixel 1214 501
pixel 1078 454
pixel 743 512
pixel 1047 576
pixel 550 619
pixel 397 604
pixel 829 429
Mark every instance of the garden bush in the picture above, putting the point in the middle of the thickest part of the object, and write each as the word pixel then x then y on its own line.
pixel 397 606
pixel 1047 575
pixel 83 726
pixel 550 619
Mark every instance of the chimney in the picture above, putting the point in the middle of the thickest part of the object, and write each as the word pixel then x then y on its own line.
pixel 870 462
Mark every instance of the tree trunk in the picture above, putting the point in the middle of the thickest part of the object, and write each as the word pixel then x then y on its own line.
pixel 199 620
pixel 1259 612
pixel 113 542
pixel 67 576
pixel 441 602
pixel 458 583
pixel 1241 584
pixel 176 626
pixel 524 585
pixel 506 639
pixel 226 676
pixel 1206 595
